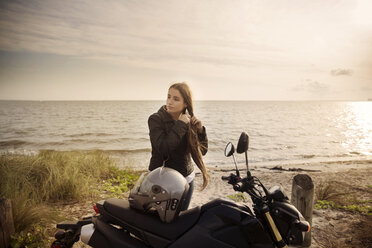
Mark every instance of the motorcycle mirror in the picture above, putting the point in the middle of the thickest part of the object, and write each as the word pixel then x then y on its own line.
pixel 243 143
pixel 229 150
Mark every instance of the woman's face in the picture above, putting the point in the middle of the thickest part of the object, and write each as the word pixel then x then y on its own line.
pixel 175 102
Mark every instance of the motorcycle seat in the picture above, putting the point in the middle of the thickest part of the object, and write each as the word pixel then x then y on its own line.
pixel 150 222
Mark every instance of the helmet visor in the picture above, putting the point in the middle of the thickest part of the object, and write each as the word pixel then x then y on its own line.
pixel 137 186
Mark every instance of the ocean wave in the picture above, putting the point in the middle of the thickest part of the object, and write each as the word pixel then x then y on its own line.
pixel 348 161
pixel 109 151
pixel 124 151
pixel 21 132
pixel 12 143
pixel 88 134
pixel 307 156
pixel 355 153
pixel 70 141
pixel 104 141
pixel 271 148
pixel 339 155
pixel 115 151
pixel 216 149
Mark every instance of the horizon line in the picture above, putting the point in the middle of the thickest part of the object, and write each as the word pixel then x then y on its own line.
pixel 195 100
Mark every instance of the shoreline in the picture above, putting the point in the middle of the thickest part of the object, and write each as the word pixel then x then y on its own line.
pixel 323 166
pixel 140 161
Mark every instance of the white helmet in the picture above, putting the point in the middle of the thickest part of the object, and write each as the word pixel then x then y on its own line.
pixel 163 189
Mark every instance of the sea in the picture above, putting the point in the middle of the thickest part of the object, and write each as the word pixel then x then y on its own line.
pixel 279 132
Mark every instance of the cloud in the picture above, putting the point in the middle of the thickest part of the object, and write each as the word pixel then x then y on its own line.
pixel 341 72
pixel 366 88
pixel 213 32
pixel 312 86
pixel 141 34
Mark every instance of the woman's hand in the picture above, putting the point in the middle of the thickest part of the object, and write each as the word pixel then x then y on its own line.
pixel 196 122
pixel 185 118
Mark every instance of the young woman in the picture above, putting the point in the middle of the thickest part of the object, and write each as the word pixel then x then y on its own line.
pixel 176 135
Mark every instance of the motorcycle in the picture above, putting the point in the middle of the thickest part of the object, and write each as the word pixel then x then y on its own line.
pixel 274 222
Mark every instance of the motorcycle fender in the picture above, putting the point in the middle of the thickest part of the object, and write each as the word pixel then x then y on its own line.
pixel 86 233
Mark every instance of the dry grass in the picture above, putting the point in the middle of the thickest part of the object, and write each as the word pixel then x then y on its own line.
pixel 31 181
pixel 329 191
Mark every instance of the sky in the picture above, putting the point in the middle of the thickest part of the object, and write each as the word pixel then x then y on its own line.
pixel 265 50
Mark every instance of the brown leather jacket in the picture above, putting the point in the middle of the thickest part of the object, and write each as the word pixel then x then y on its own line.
pixel 169 143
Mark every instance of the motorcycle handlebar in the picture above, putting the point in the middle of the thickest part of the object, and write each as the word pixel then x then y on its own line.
pixel 234 180
pixel 225 178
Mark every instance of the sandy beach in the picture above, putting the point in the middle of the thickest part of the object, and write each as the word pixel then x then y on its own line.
pixel 330 227
pixel 350 172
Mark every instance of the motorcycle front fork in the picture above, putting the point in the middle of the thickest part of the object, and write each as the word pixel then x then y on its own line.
pixel 274 230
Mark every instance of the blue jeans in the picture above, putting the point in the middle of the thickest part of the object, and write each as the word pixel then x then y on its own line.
pixel 188 196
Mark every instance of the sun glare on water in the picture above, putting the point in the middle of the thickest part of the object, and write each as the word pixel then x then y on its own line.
pixel 359 128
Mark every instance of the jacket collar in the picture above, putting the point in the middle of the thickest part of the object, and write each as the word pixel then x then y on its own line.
pixel 164 114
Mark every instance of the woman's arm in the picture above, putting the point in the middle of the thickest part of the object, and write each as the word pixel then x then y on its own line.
pixel 164 143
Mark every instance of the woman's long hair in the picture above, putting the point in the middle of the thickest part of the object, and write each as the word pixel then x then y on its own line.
pixel 194 145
